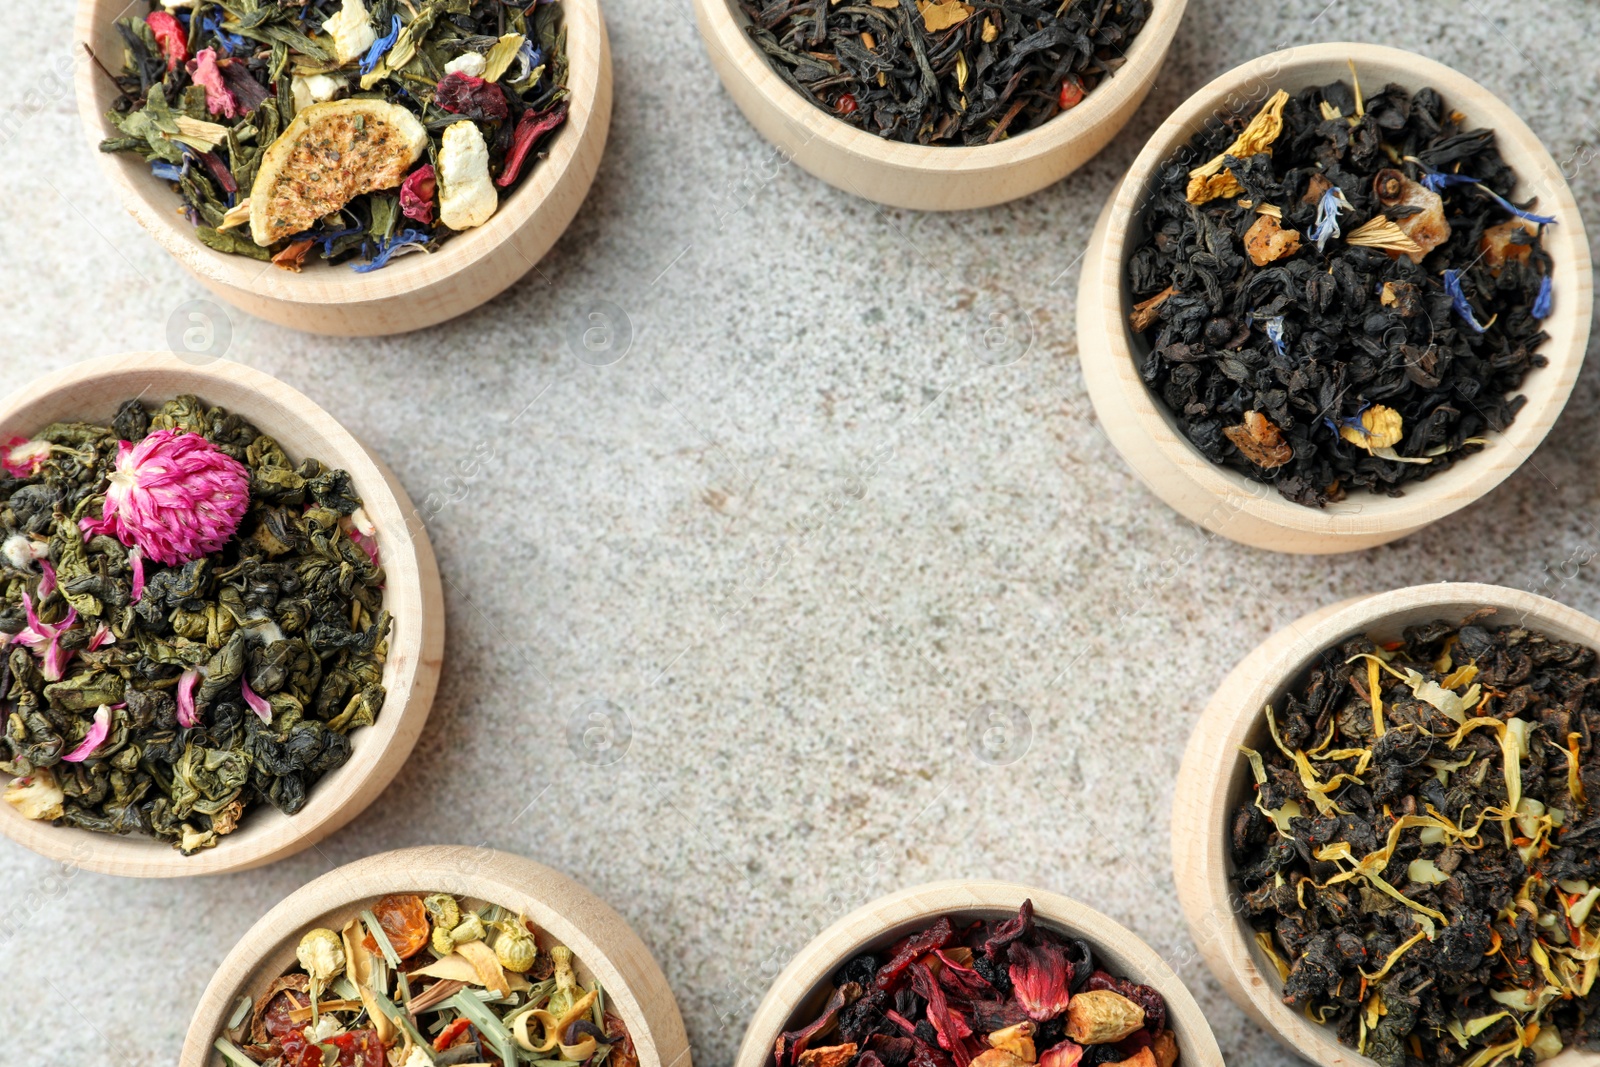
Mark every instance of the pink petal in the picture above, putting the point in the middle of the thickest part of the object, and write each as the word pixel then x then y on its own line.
pixel 96 736
pixel 136 561
pixel 219 98
pixel 47 584
pixel 258 703
pixel 22 458
pixel 102 637
pixel 186 683
pixel 55 660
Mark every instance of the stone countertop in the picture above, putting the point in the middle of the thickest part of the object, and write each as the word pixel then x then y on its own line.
pixel 798 538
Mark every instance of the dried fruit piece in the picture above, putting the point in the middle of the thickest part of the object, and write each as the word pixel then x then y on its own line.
pixel 1066 1054
pixel 1143 1058
pixel 404 922
pixel 1499 247
pixel 330 154
pixel 998 1057
pixel 1099 1017
pixel 1016 1039
pixel 830 1056
pixel 1260 440
pixel 1267 241
pixel 1164 1047
pixel 1427 226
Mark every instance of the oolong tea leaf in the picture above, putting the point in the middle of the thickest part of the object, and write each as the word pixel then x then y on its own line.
pixel 1420 854
pixel 196 623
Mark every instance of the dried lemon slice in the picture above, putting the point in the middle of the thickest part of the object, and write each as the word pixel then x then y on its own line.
pixel 330 154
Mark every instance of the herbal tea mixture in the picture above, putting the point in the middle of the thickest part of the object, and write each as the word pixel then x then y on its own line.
pixel 1342 295
pixel 196 623
pixel 1421 858
pixel 360 134
pixel 427 981
pixel 983 994
pixel 945 72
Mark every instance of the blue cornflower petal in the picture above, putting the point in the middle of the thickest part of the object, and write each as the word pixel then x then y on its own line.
pixel 1274 327
pixel 1328 209
pixel 170 172
pixel 1458 300
pixel 1438 181
pixel 528 57
pixel 231 42
pixel 390 247
pixel 369 63
pixel 1541 303
pixel 1543 220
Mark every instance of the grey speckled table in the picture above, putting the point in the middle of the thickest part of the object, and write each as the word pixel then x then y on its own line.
pixel 798 536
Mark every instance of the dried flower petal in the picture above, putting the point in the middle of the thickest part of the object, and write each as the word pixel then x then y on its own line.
pixel 219 98
pixel 36 796
pixel 473 98
pixel 171 37
pixel 1384 233
pixel 187 716
pixel 174 496
pixel 44 638
pixel 1376 427
pixel 1019 926
pixel 1329 205
pixel 531 126
pixel 1066 1054
pixel 418 195
pixel 1040 978
pixel 1458 300
pixel 1209 181
pixel 255 701
pixel 99 729
pixel 23 457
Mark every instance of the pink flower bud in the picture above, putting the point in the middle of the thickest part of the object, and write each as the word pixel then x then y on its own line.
pixel 22 457
pixel 174 497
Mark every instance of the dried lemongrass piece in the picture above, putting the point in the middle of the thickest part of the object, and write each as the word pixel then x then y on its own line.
pixel 1260 440
pixel 1145 311
pixel 1209 180
pixel 1267 241
pixel 358 965
pixel 1384 233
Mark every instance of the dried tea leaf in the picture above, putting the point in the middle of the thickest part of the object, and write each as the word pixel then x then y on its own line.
pixel 1209 180
pixel 1260 440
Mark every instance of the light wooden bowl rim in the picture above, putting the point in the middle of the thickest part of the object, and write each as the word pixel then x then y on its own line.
pixel 722 26
pixel 902 912
pixel 604 946
pixel 1103 290
pixel 1214 775
pixel 91 389
pixel 154 205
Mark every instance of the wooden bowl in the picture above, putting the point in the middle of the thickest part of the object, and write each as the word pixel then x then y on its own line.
pixel 93 390
pixel 1225 501
pixel 1214 779
pixel 802 988
pixel 924 177
pixel 604 946
pixel 413 291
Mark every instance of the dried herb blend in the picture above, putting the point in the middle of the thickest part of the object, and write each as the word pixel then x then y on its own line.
pixel 1421 857
pixel 418 981
pixel 195 623
pixel 983 994
pixel 325 126
pixel 945 72
pixel 1341 296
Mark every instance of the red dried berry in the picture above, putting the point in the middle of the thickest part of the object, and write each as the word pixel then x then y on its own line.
pixel 1071 92
pixel 846 104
